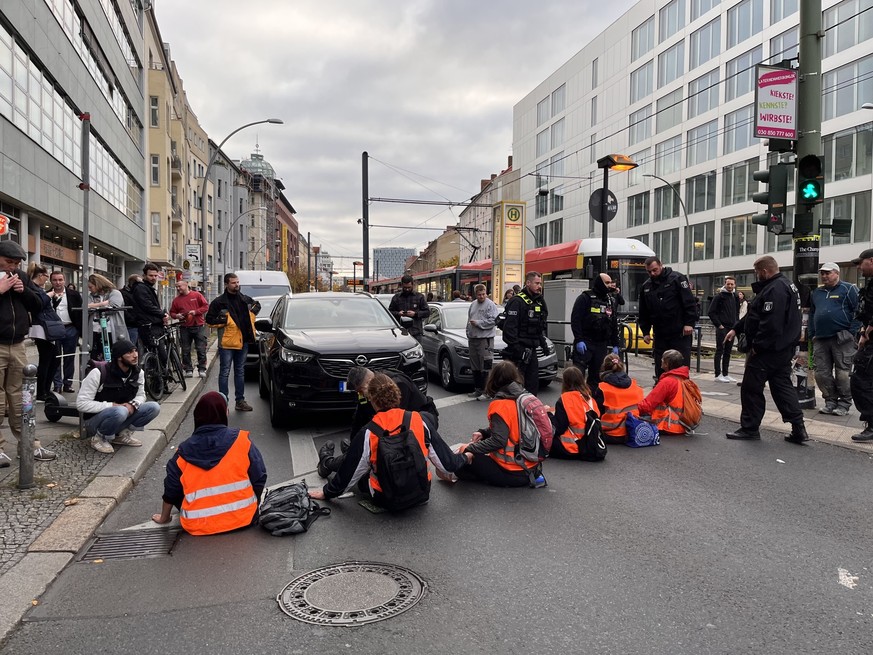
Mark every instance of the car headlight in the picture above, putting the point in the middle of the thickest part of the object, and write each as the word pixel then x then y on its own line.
pixel 463 351
pixel 550 347
pixel 292 356
pixel 414 354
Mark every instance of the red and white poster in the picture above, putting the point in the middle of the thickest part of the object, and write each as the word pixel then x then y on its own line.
pixel 775 103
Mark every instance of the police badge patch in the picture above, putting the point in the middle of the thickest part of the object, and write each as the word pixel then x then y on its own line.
pixel 684 284
pixel 768 306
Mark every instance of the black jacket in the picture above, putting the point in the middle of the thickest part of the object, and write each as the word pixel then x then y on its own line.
pixel 413 301
pixel 774 318
pixel 238 305
pixel 667 304
pixel 724 309
pixel 131 316
pixel 411 399
pixel 16 308
pixel 595 316
pixel 865 304
pixel 145 300
pixel 525 325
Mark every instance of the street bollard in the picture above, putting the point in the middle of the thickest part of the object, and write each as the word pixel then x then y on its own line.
pixel 28 427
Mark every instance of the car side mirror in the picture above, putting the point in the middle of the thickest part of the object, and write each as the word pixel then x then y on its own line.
pixel 430 327
pixel 264 325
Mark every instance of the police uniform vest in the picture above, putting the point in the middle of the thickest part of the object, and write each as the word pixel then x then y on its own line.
pixel 507 409
pixel 597 323
pixel 576 406
pixel 531 318
pixel 221 498
pixel 666 415
pixel 617 403
pixel 390 420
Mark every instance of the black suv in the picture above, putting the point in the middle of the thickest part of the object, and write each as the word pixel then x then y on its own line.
pixel 312 340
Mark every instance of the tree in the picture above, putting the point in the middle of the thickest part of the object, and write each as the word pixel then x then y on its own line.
pixel 451 261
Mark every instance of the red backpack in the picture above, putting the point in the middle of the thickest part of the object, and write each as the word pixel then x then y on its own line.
pixel 536 432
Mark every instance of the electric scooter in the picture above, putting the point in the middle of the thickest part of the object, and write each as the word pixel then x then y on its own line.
pixel 57 405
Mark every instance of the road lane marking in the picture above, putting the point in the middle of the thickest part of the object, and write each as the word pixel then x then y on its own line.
pixel 304 456
pixel 457 399
pixel 847 580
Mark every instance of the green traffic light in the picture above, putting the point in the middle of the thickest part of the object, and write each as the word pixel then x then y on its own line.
pixel 810 191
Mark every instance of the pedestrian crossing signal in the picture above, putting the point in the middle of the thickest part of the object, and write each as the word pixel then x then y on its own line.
pixel 810 181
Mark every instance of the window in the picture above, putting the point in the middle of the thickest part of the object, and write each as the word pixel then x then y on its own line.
pixel 557 134
pixel 556 231
pixel 156 229
pixel 705 44
pixel 738 130
pixel 780 9
pixel 556 197
pixel 666 202
pixel 209 233
pixel 643 39
pixel 542 143
pixel 218 220
pixel 559 99
pixel 218 252
pixel 738 185
pixel 739 236
pixel 556 165
pixel 855 206
pixel 666 244
pixel 593 111
pixel 739 74
pixel 700 192
pixel 642 158
pixel 852 23
pixel 218 188
pixel 209 203
pixel 703 94
pixel 543 111
pixel 848 153
pixel 641 82
pixel 700 7
pixel 702 143
pixel 643 238
pixel 154 111
pixel 540 233
pixel 669 111
pixel 594 74
pixel 542 174
pixel 640 125
pixel 541 208
pixel 744 20
pixel 702 240
pixel 638 209
pixel 592 150
pixel 668 156
pixel 671 19
pixel 671 64
pixel 785 45
pixel 847 88
pixel 156 170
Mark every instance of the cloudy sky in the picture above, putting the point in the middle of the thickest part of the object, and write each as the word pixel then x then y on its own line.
pixel 426 87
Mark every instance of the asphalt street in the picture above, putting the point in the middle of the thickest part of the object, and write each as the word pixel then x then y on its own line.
pixel 701 545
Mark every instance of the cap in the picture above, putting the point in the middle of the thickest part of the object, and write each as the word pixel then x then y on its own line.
pixel 829 266
pixel 121 348
pixel 12 250
pixel 864 255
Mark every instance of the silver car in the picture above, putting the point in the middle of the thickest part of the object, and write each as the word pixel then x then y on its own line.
pixel 446 351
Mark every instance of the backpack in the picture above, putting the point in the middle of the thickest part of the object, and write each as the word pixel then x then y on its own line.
pixel 400 467
pixel 590 442
pixel 641 433
pixel 692 404
pixel 535 428
pixel 288 509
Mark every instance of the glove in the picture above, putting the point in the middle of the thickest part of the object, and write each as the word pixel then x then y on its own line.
pixel 581 348
pixel 615 350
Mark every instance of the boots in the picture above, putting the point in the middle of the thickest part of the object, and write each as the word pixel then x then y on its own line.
pixel 798 434
pixel 325 459
pixel 865 435
pixel 344 445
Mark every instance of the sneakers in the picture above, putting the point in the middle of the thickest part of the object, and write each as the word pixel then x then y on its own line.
pixel 243 406
pixel 798 434
pixel 189 374
pixel 840 410
pixel 475 394
pixel 828 408
pixel 865 435
pixel 747 435
pixel 5 462
pixel 101 445
pixel 201 374
pixel 68 389
pixel 484 396
pixel 325 454
pixel 41 454
pixel 126 438
pixel 728 378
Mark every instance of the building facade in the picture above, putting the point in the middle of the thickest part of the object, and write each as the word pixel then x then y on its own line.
pixel 390 262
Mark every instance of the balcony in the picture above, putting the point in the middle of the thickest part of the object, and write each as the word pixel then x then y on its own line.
pixel 177 215
pixel 176 167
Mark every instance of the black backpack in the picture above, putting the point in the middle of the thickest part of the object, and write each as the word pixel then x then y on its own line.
pixel 288 509
pixel 590 442
pixel 401 467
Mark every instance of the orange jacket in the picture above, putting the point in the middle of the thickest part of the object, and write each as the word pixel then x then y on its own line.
pixel 221 498
pixel 391 420
pixel 664 402
pixel 507 409
pixel 576 407
pixel 617 403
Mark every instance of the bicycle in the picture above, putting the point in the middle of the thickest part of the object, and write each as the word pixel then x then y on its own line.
pixel 161 377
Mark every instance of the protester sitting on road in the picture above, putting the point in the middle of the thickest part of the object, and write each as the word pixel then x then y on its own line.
pixel 617 395
pixel 216 477
pixel 494 448
pixel 392 489
pixel 570 414
pixel 665 402
pixel 112 398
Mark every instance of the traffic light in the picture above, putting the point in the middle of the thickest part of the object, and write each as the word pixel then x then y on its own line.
pixel 774 197
pixel 810 181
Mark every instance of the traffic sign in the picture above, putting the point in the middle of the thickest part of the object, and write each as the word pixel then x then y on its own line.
pixel 192 252
pixel 595 205
pixel 186 265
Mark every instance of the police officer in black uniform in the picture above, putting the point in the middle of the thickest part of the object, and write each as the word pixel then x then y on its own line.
pixel 772 328
pixel 668 307
pixel 594 321
pixel 862 369
pixel 410 303
pixel 525 329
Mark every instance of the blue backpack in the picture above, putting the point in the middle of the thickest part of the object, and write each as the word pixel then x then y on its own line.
pixel 641 433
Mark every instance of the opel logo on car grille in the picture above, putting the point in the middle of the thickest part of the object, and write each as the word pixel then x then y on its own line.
pixel 360 360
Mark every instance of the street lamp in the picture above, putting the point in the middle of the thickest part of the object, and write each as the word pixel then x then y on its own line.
pixel 607 163
pixel 355 275
pixel 685 213
pixel 203 262
pixel 230 232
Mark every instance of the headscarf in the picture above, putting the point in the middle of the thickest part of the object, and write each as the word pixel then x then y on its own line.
pixel 211 409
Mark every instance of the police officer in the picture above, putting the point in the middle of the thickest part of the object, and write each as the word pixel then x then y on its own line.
pixel 410 303
pixel 772 328
pixel 668 307
pixel 525 329
pixel 862 372
pixel 594 321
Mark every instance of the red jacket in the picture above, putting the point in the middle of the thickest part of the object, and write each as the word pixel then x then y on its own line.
pixel 193 301
pixel 664 390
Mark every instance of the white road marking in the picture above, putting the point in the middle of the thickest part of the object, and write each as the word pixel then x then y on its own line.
pixel 781 461
pixel 714 393
pixel 457 399
pixel 847 580
pixel 304 457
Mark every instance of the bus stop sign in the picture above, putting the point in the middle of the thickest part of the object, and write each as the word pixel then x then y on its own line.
pixel 596 206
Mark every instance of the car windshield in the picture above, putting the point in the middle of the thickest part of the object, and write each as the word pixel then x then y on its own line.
pixel 455 318
pixel 259 290
pixel 304 313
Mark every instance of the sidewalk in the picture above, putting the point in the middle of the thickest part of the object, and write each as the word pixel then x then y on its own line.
pixel 43 528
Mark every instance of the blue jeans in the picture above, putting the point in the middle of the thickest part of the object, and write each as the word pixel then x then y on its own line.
pixel 111 421
pixel 238 358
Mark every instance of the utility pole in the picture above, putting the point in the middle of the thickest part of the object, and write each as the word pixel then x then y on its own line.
pixel 308 263
pixel 365 215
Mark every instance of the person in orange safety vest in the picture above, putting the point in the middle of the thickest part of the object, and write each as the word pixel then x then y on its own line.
pixel 216 476
pixel 618 394
pixel 569 416
pixel 664 403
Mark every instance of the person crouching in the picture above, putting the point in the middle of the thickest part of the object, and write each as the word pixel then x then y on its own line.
pixel 665 403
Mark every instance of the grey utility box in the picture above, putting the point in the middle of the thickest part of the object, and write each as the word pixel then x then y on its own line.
pixel 560 296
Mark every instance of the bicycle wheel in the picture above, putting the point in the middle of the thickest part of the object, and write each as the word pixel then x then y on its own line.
pixel 154 381
pixel 174 368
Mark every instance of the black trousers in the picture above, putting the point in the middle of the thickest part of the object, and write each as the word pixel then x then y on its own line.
pixel 722 352
pixel 591 362
pixel 530 372
pixel 485 469
pixel 773 368
pixel 47 366
pixel 862 382
pixel 674 342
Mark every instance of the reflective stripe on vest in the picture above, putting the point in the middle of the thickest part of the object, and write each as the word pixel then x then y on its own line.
pixel 221 498
pixel 576 406
pixel 391 420
pixel 507 409
pixel 617 403
pixel 666 415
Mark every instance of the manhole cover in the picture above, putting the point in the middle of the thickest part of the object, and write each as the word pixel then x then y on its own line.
pixel 352 593
pixel 130 545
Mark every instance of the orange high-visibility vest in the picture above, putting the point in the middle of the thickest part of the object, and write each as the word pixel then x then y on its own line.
pixel 576 406
pixel 507 409
pixel 391 420
pixel 666 415
pixel 616 404
pixel 222 498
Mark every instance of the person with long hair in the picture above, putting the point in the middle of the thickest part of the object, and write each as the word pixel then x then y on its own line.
pixel 618 394
pixel 571 414
pixel 104 294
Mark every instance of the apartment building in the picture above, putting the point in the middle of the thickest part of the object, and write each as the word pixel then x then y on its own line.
pixel 476 219
pixel 389 262
pixel 671 83
pixel 264 237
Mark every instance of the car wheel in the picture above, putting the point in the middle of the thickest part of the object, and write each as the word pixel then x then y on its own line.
pixel 278 414
pixel 447 375
pixel 545 383
pixel 263 384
